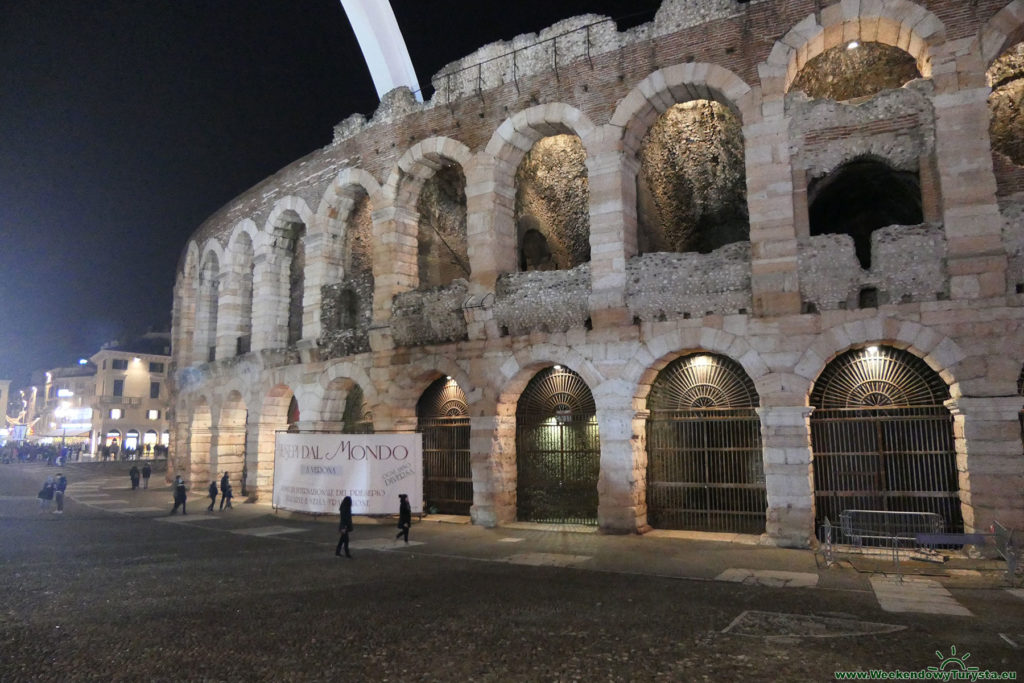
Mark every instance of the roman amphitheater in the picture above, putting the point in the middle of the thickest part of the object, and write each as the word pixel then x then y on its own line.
pixel 734 270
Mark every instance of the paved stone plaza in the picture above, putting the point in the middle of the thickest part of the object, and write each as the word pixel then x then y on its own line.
pixel 116 589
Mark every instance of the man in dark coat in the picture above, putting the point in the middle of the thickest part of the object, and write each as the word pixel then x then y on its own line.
pixel 180 495
pixel 133 473
pixel 146 472
pixel 404 517
pixel 225 491
pixel 213 495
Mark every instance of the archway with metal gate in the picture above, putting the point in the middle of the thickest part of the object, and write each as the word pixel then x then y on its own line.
pixel 705 468
pixel 443 418
pixel 882 438
pixel 558 453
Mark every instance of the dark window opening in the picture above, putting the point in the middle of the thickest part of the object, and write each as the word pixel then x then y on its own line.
pixel 535 253
pixel 118 387
pixel 860 197
pixel 154 389
pixel 243 345
pixel 868 298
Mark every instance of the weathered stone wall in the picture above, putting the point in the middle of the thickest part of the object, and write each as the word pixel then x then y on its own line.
pixel 539 301
pixel 691 189
pixel 443 254
pixel 665 286
pixel 1013 241
pixel 843 74
pixel 895 125
pixel 907 264
pixel 432 316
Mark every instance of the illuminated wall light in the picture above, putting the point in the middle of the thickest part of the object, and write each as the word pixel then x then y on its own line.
pixel 136 359
pixel 702 360
pixel 852 45
pixel 558 368
pixel 82 361
pixel 872 350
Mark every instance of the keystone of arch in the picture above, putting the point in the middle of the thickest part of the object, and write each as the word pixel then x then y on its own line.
pixel 517 134
pixel 338 194
pixel 291 203
pixel 423 160
pixel 1003 30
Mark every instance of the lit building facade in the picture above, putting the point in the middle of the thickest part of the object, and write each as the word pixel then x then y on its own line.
pixel 682 276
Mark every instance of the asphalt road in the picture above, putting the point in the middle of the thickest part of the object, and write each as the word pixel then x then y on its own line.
pixel 97 594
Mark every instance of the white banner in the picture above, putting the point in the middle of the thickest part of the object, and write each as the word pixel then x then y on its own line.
pixel 313 472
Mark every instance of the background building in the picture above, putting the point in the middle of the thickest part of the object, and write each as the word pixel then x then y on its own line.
pixel 734 270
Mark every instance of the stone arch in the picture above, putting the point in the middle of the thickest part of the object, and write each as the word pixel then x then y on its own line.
pixel 335 384
pixel 184 313
pixel 899 23
pixel 336 206
pixel 208 294
pixel 284 291
pixel 236 317
pixel 939 352
pixel 1004 30
pixel 677 84
pixel 509 144
pixel 425 162
pixel 273 417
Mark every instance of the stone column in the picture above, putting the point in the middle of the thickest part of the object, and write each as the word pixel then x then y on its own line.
pixel 975 253
pixel 622 506
pixel 269 306
pixel 229 310
pixel 989 460
pixel 612 183
pixel 773 270
pixel 786 439
pixel 323 267
pixel 493 462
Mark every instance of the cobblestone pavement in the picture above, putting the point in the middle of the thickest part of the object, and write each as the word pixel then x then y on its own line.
pixel 116 589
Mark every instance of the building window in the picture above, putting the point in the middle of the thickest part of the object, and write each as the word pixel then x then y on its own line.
pixel 156 368
pixel 152 414
pixel 116 413
pixel 154 389
pixel 118 387
pixel 119 363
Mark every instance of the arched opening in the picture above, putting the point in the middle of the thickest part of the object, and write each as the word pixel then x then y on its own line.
pixel 290 253
pixel 244 272
pixel 442 417
pixel 553 199
pixel 882 438
pixel 854 70
pixel 293 415
pixel 860 197
pixel 558 452
pixel 705 467
pixel 131 444
pixel 207 309
pixel 113 438
pixel 347 306
pixel 691 188
pixel 356 418
pixel 443 246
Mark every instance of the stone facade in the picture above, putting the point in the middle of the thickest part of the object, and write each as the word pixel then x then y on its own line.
pixel 782 302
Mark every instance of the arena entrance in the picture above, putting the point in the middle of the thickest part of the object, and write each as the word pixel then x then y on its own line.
pixel 882 438
pixel 558 452
pixel 443 419
pixel 705 469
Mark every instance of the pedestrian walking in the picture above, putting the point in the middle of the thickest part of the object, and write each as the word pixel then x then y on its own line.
pixel 133 474
pixel 344 526
pixel 180 495
pixel 59 486
pixel 225 491
pixel 147 471
pixel 213 495
pixel 404 517
pixel 46 494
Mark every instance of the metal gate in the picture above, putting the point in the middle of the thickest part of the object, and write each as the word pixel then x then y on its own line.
pixel 357 418
pixel 705 466
pixel 558 452
pixel 882 438
pixel 443 419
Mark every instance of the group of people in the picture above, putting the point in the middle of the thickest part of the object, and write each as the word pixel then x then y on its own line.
pixel 345 523
pixel 134 475
pixel 53 492
pixel 225 492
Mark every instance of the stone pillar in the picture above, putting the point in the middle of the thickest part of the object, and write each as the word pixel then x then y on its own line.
pixel 612 182
pixel 975 253
pixel 786 439
pixel 773 269
pixel 259 460
pixel 180 453
pixel 228 447
pixel 269 306
pixel 200 447
pixel 621 485
pixel 323 267
pixel 492 460
pixel 229 310
pixel 989 460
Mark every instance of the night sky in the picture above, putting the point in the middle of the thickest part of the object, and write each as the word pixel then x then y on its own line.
pixel 124 124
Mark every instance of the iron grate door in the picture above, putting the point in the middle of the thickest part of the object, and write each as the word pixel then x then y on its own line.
pixel 558 462
pixel 882 438
pixel 890 459
pixel 447 479
pixel 558 450
pixel 443 419
pixel 705 471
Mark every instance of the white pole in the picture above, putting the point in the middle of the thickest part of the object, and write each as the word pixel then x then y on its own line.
pixel 382 44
